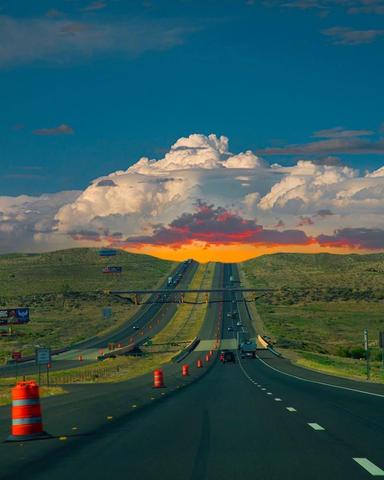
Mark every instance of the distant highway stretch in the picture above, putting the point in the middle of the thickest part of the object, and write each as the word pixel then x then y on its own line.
pixel 131 331
pixel 260 419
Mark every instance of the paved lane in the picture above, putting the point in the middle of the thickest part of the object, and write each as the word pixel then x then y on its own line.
pixel 238 421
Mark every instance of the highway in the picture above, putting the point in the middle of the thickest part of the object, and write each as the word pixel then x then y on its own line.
pixel 257 418
pixel 89 349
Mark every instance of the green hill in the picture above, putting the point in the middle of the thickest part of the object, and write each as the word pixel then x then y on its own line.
pixel 78 269
pixel 64 291
pixel 320 305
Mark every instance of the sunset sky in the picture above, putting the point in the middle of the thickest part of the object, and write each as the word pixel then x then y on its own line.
pixel 215 129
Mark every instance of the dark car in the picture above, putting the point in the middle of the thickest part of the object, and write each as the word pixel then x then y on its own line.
pixel 227 356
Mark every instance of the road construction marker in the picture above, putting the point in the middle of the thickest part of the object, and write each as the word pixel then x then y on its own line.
pixel 369 466
pixel 316 426
pixel 291 409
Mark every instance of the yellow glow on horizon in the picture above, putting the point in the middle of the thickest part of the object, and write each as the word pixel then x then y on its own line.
pixel 202 253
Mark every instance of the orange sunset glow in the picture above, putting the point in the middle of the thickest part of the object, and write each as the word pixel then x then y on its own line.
pixel 234 253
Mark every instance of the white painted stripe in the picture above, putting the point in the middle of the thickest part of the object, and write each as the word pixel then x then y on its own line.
pixel 277 399
pixel 269 393
pixel 263 388
pixel 321 383
pixel 291 409
pixel 370 467
pixel 316 426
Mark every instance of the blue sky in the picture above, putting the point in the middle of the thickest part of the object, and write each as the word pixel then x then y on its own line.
pixel 86 88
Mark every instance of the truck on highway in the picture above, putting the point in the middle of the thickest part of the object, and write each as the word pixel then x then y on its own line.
pixel 248 349
pixel 170 281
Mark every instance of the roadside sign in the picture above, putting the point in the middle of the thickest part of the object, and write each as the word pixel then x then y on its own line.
pixel 43 356
pixel 112 269
pixel 16 356
pixel 381 339
pixel 14 316
pixel 107 312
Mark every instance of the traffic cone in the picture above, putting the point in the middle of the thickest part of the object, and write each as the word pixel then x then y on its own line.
pixel 158 379
pixel 26 413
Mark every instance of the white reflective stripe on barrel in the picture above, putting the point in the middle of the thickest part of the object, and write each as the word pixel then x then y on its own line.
pixel 28 401
pixel 26 421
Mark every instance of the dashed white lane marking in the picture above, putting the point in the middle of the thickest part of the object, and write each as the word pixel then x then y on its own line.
pixel 316 426
pixel 269 393
pixel 321 383
pixel 369 466
pixel 291 409
pixel 263 389
pixel 277 399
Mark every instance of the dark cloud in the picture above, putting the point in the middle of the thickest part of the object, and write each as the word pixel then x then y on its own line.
pixel 329 161
pixel 330 146
pixel 349 36
pixel 305 221
pixel 323 213
pixel 106 183
pixel 62 129
pixel 361 238
pixel 216 225
pixel 340 132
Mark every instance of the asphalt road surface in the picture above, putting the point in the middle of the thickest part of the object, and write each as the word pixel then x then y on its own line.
pixel 239 421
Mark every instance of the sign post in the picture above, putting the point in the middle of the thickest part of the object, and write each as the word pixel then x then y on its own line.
pixel 381 345
pixel 366 348
pixel 43 357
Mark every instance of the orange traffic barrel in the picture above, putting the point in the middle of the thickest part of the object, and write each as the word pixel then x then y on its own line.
pixel 26 413
pixel 158 379
pixel 207 357
pixel 199 363
pixel 80 358
pixel 185 370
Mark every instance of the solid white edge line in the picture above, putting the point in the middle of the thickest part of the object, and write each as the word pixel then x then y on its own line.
pixel 369 467
pixel 321 383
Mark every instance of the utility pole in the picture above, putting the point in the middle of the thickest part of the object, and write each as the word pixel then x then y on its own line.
pixel 366 348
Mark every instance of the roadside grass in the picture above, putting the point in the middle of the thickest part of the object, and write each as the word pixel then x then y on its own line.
pixel 323 328
pixel 345 367
pixel 5 393
pixel 64 291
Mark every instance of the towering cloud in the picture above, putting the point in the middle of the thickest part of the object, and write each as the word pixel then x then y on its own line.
pixel 201 192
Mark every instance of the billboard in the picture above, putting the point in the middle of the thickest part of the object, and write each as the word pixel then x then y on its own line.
pixel 107 252
pixel 112 269
pixel 11 316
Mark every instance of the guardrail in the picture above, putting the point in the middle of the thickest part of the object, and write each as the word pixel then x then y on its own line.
pixel 187 350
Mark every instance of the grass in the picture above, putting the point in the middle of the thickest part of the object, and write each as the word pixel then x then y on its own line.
pixel 323 326
pixel 183 327
pixel 64 291
pixel 5 393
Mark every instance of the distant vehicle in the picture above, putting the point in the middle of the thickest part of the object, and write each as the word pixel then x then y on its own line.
pixel 135 327
pixel 170 281
pixel 239 324
pixel 248 349
pixel 230 329
pixel 231 314
pixel 226 356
